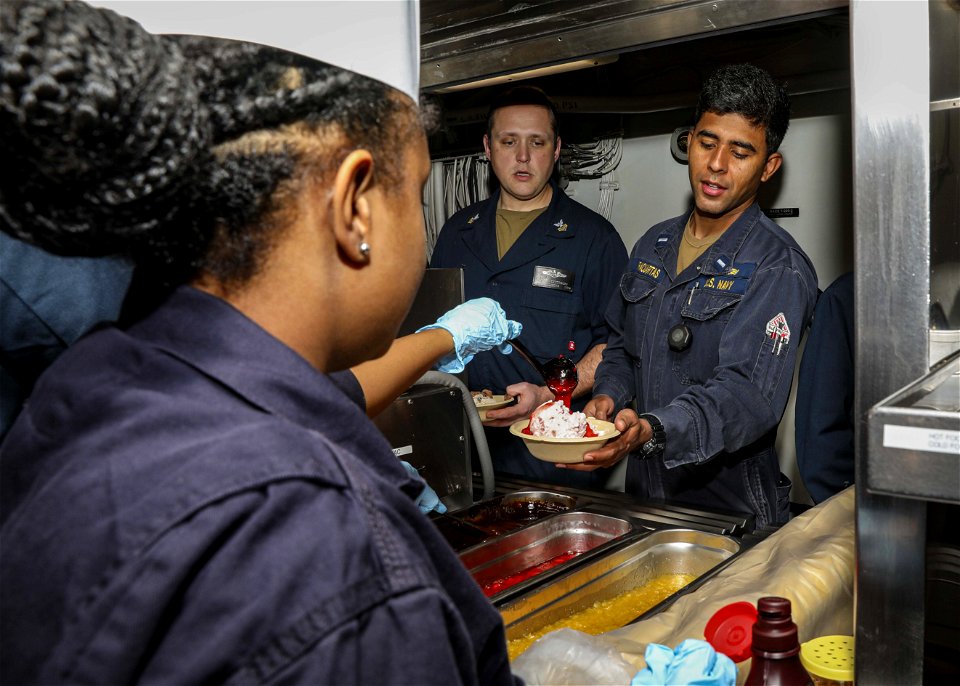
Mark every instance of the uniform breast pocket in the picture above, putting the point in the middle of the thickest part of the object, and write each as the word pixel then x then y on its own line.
pixel 707 315
pixel 637 292
pixel 549 320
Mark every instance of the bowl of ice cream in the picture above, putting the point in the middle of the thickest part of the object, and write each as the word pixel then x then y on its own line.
pixel 486 400
pixel 554 434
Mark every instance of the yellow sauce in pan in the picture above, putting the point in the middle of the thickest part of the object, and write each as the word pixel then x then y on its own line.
pixel 610 614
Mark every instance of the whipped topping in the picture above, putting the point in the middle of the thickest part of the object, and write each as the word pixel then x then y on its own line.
pixel 554 420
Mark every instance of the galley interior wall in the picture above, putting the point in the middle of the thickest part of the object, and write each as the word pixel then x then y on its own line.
pixel 640 98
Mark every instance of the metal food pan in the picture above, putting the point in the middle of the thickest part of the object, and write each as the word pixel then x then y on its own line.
pixel 545 540
pixel 668 551
pixel 503 514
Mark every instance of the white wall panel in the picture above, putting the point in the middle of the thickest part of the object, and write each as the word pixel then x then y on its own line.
pixel 815 177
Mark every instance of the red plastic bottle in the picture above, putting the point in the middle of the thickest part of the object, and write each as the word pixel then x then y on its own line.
pixel 561 375
pixel 776 647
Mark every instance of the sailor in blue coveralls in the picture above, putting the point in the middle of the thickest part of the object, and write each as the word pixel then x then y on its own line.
pixel 46 303
pixel 824 413
pixel 552 264
pixel 708 320
pixel 199 498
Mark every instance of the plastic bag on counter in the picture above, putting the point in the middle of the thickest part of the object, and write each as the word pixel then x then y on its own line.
pixel 569 657
pixel 572 657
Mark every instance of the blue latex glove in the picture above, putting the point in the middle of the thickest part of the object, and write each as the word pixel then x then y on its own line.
pixel 428 500
pixel 693 662
pixel 476 325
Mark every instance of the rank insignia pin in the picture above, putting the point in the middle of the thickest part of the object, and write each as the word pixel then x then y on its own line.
pixel 473 218
pixel 561 225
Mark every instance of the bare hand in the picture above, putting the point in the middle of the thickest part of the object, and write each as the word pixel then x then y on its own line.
pixel 529 397
pixel 600 406
pixel 634 432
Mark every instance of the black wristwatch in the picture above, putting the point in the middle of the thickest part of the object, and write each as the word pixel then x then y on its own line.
pixel 654 447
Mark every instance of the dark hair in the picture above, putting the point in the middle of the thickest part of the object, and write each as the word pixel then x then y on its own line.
pixel 524 95
pixel 750 92
pixel 178 151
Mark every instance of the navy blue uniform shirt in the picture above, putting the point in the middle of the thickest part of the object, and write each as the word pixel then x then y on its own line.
pixel 556 280
pixel 824 414
pixel 746 301
pixel 46 303
pixel 189 502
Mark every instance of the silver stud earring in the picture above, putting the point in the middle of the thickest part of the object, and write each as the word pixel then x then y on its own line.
pixel 365 249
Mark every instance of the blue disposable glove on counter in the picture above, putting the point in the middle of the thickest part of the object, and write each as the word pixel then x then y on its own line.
pixel 476 325
pixel 692 662
pixel 428 500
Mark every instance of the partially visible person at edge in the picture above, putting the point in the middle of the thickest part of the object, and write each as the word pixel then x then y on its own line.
pixel 708 320
pixel 824 425
pixel 206 500
pixel 47 302
pixel 551 262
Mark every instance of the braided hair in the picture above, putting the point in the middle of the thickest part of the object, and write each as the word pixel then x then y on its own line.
pixel 96 148
pixel 178 151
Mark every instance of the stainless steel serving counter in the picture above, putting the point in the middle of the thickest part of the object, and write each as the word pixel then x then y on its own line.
pixel 545 554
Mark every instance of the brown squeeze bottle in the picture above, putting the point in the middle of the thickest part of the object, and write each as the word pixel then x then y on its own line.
pixel 776 647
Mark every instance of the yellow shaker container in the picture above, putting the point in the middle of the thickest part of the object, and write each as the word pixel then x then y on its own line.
pixel 828 660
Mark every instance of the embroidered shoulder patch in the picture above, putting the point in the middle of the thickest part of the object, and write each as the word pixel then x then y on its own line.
pixel 779 332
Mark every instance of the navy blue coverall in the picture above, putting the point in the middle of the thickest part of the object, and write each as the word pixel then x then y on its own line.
pixel 46 303
pixel 746 301
pixel 557 280
pixel 824 414
pixel 189 502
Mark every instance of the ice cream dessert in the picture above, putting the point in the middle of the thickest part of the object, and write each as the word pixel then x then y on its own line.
pixel 555 420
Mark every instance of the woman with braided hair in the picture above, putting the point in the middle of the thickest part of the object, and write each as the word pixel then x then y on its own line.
pixel 197 497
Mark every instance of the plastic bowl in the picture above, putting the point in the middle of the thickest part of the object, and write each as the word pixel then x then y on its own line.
pixel 499 401
pixel 565 450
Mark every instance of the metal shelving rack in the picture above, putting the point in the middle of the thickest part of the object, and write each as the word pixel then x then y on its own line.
pixel 896 475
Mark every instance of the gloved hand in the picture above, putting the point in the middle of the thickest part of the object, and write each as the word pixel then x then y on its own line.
pixel 428 500
pixel 476 325
pixel 692 662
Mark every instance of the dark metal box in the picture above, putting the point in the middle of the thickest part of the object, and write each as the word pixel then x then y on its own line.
pixel 426 427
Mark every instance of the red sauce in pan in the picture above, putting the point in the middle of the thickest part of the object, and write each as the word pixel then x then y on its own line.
pixel 497 585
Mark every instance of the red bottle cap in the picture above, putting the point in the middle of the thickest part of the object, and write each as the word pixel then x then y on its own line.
pixel 730 630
